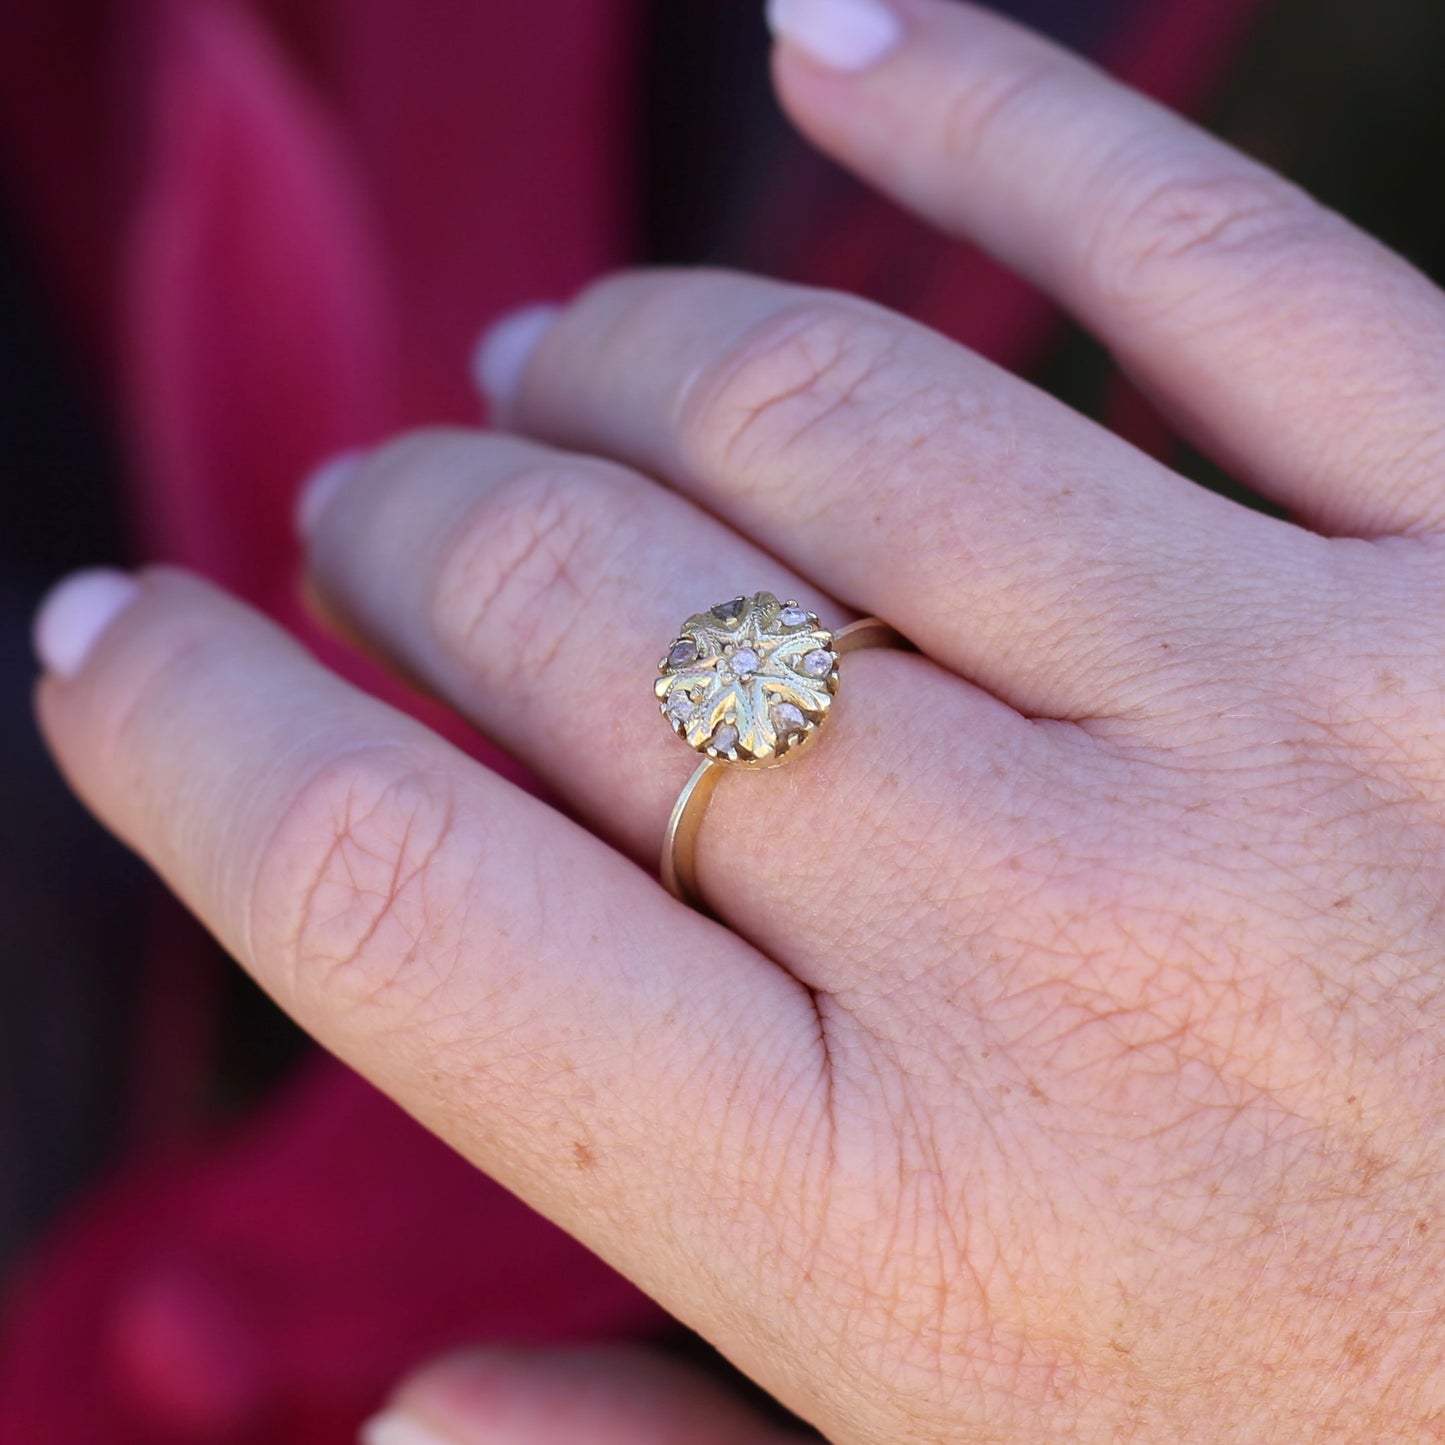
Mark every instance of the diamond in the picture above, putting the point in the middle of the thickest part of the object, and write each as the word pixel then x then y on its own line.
pixel 679 707
pixel 725 739
pixel 787 719
pixel 729 611
pixel 682 652
pixel 817 663
pixel 745 661
pixel 792 616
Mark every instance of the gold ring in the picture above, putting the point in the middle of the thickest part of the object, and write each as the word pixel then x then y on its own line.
pixel 748 683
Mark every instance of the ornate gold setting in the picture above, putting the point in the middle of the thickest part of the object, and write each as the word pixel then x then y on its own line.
pixel 788 662
pixel 750 681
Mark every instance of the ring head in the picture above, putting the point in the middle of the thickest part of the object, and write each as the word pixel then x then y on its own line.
pixel 750 681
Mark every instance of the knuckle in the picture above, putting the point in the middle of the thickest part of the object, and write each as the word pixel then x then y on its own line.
pixel 383 495
pixel 820 362
pixel 358 891
pixel 974 115
pixel 1155 224
pixel 179 651
pixel 532 555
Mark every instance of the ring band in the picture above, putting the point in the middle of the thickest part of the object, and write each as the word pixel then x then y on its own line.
pixel 748 683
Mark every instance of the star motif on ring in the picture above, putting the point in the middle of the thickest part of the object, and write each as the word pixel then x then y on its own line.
pixel 750 680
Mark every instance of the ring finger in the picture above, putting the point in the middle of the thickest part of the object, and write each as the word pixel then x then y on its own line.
pixel 535 590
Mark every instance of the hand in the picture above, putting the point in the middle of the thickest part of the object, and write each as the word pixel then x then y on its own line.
pixel 1067 1061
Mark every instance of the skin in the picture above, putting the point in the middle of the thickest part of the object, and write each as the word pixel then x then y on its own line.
pixel 1066 1061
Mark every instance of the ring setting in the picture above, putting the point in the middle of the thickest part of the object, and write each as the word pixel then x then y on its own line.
pixel 750 681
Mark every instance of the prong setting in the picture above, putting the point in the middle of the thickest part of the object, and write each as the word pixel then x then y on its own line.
pixel 749 681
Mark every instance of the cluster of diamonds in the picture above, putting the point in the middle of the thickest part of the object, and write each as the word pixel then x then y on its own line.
pixel 749 680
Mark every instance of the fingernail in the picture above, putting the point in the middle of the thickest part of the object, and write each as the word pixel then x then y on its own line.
pixel 505 348
pixel 320 489
pixel 841 34
pixel 392 1428
pixel 74 614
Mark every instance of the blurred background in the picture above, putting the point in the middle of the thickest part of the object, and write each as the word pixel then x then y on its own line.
pixel 239 235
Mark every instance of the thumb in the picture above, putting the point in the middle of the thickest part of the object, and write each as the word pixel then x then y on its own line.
pixel 603 1395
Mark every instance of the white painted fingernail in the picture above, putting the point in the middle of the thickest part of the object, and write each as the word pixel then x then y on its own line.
pixel 75 613
pixel 392 1428
pixel 501 356
pixel 841 34
pixel 319 490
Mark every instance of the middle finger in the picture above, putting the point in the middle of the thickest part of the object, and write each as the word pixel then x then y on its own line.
pixel 1008 536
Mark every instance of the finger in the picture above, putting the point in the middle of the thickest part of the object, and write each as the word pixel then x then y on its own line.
pixel 603 1395
pixel 537 590
pixel 1011 539
pixel 521 988
pixel 1296 350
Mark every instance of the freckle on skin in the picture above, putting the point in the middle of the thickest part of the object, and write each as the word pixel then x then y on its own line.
pixel 583 1155
pixel 1357 1352
pixel 1372 1166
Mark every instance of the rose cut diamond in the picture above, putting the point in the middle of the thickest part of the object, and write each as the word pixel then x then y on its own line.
pixel 787 719
pixel 745 661
pixel 725 739
pixel 817 663
pixel 792 616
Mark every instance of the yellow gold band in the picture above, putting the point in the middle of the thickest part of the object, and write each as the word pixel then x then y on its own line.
pixel 679 843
